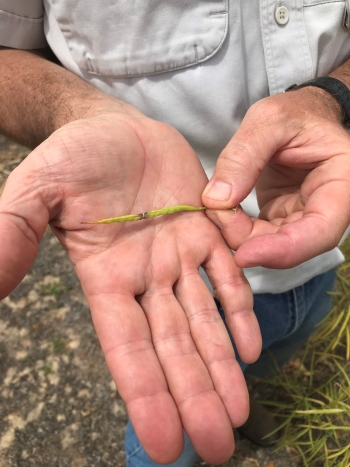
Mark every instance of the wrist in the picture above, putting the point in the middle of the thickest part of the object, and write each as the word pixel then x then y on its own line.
pixel 323 104
pixel 80 100
pixel 331 92
pixel 101 104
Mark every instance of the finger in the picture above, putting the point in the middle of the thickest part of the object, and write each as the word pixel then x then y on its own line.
pixel 263 131
pixel 23 219
pixel 126 341
pixel 202 412
pixel 237 227
pixel 235 295
pixel 214 345
pixel 289 247
pixel 323 223
pixel 283 206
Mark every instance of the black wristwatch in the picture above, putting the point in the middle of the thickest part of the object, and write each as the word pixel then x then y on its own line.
pixel 335 88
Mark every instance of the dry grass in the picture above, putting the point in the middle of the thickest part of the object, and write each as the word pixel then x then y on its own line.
pixel 314 390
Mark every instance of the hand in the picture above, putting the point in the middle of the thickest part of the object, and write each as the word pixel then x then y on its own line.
pixel 293 148
pixel 164 342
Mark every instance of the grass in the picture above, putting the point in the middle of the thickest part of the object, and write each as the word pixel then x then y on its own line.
pixel 47 370
pixel 314 390
pixel 55 289
pixel 58 345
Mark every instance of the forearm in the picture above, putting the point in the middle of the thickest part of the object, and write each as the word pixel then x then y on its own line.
pixel 37 97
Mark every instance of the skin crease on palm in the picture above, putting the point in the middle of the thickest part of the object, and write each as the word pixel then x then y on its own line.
pixel 158 325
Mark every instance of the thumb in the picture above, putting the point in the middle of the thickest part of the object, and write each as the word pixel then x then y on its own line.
pixel 23 219
pixel 262 133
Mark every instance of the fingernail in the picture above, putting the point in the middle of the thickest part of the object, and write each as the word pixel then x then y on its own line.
pixel 220 191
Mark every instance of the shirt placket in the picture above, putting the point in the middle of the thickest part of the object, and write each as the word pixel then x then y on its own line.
pixel 286 48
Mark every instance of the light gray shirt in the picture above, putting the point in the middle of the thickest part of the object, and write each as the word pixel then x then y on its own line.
pixel 195 64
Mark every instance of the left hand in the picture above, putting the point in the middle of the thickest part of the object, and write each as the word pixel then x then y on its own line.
pixel 294 149
pixel 165 344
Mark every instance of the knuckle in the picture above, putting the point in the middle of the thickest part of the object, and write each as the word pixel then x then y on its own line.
pixel 269 110
pixel 237 161
pixel 204 316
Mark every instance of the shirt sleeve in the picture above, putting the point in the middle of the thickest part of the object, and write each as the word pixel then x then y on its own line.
pixel 21 24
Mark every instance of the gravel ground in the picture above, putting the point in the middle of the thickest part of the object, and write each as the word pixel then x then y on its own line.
pixel 59 406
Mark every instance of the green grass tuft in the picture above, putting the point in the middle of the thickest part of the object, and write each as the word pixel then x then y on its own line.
pixel 58 345
pixel 55 288
pixel 47 370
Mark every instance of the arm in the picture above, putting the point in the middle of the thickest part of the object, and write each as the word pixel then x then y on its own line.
pixel 165 344
pixel 38 96
pixel 293 147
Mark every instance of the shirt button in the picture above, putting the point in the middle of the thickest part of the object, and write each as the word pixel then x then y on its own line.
pixel 282 15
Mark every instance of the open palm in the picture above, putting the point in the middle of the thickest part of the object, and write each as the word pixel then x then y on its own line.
pixel 164 342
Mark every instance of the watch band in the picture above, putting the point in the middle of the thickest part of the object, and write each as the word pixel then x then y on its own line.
pixel 335 88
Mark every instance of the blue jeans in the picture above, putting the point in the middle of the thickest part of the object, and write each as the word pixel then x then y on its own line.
pixel 286 321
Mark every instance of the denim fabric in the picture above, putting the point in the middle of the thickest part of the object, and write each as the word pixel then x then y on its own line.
pixel 286 321
pixel 137 457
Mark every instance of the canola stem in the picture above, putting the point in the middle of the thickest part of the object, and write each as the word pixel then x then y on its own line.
pixel 149 214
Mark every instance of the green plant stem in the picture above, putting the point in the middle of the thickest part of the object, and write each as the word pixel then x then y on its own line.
pixel 150 214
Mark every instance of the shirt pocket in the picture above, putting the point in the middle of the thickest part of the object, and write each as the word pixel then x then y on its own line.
pixel 21 24
pixel 130 38
pixel 329 41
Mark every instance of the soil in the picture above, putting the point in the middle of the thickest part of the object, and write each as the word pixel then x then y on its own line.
pixel 59 406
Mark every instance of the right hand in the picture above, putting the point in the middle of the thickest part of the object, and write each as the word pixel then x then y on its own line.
pixel 293 148
pixel 164 342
